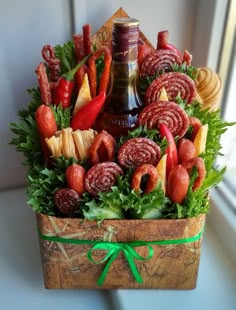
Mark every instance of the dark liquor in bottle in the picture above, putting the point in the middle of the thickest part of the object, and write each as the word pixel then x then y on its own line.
pixel 123 104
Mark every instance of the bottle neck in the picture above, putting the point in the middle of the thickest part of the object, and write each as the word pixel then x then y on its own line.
pixel 126 72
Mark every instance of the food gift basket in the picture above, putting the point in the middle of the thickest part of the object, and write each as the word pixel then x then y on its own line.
pixel 120 140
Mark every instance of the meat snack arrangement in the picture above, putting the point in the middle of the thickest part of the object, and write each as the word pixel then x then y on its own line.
pixel 162 169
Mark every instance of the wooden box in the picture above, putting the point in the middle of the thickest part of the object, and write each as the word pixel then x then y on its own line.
pixel 117 254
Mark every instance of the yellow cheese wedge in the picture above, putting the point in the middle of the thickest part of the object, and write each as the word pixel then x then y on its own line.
pixel 163 95
pixel 84 95
pixel 200 139
pixel 161 169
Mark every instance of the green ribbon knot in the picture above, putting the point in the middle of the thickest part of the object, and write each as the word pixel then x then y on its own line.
pixel 113 250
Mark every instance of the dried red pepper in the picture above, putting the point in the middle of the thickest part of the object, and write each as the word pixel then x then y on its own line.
pixel 86 116
pixel 92 71
pixel 64 86
pixel 171 150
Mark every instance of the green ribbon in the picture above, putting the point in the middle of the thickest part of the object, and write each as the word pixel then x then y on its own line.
pixel 114 248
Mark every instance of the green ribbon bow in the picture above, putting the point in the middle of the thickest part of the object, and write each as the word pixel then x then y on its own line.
pixel 113 249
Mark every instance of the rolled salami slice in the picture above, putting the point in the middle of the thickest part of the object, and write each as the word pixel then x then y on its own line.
pixel 175 83
pixel 137 151
pixel 169 113
pixel 159 61
pixel 101 177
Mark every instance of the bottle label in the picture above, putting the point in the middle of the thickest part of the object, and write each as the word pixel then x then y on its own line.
pixel 122 122
pixel 125 55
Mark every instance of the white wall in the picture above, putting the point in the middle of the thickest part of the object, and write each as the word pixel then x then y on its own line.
pixel 27 25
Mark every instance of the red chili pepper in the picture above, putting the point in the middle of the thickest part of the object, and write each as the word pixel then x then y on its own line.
pixel 162 42
pixel 86 116
pixel 64 86
pixel 171 150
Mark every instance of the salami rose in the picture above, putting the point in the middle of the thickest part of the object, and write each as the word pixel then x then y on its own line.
pixel 159 61
pixel 137 151
pixel 168 113
pixel 175 83
pixel 101 177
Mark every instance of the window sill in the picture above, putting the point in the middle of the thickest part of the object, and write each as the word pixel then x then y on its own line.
pixel 223 222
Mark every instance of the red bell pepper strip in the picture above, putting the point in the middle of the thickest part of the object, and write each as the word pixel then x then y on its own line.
pixel 86 116
pixel 64 86
pixel 171 150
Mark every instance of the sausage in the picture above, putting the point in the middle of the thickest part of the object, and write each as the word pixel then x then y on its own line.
pixel 92 71
pixel 143 51
pixel 79 76
pixel 160 61
pixel 197 162
pixel 162 42
pixel 66 201
pixel 46 125
pixel 137 151
pixel 140 172
pixel 101 177
pixel 79 47
pixel 105 141
pixel 175 83
pixel 186 150
pixel 177 184
pixel 48 55
pixel 44 85
pixel 75 175
pixel 167 112
pixel 187 58
pixel 195 123
pixel 87 39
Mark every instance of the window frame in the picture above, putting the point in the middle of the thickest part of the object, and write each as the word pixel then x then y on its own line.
pixel 221 218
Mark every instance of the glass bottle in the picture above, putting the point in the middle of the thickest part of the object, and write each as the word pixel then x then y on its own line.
pixel 123 104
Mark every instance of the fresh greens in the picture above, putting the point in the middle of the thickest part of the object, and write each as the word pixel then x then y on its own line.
pixel 123 202
pixel 44 182
pixel 66 55
pixel 62 116
pixel 26 137
pixel 191 71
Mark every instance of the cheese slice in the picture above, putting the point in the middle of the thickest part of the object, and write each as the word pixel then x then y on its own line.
pixel 200 139
pixel 53 144
pixel 163 95
pixel 68 146
pixel 84 95
pixel 161 169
